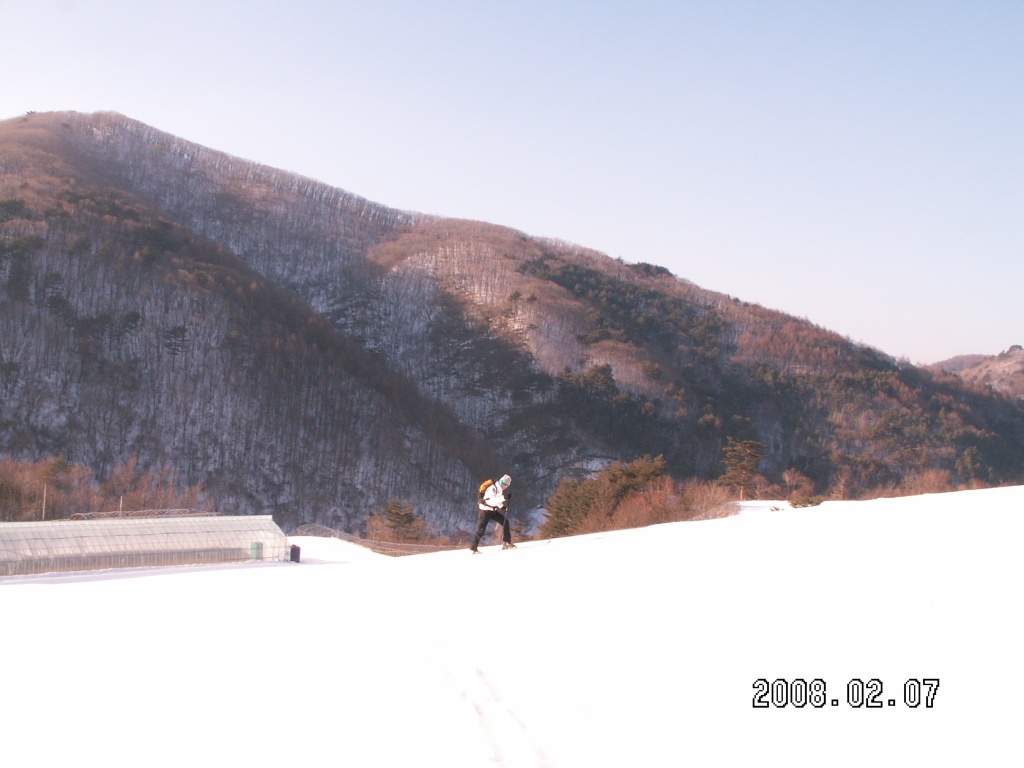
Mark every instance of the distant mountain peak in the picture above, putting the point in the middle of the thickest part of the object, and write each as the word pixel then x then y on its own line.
pixel 1003 372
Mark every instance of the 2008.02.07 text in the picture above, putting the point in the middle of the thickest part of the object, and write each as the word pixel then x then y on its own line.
pixel 859 694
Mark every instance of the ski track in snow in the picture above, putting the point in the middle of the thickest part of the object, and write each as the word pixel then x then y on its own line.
pixel 507 735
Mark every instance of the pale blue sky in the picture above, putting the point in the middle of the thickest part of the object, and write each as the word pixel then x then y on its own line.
pixel 859 163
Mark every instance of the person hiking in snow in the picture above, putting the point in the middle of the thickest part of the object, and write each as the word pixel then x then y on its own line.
pixel 494 506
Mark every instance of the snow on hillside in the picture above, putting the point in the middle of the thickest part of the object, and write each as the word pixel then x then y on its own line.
pixel 633 648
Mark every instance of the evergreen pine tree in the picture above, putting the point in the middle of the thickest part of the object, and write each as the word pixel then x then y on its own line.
pixel 741 459
pixel 402 521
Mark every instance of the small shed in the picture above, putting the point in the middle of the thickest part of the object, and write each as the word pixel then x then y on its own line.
pixel 83 545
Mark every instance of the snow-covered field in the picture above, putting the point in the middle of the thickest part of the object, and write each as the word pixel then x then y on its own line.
pixel 634 648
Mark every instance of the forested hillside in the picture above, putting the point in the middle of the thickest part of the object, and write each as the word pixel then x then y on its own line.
pixel 295 349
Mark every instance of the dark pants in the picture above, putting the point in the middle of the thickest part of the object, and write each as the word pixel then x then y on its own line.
pixel 483 518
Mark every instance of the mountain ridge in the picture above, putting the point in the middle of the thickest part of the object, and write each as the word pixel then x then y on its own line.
pixel 1003 372
pixel 454 348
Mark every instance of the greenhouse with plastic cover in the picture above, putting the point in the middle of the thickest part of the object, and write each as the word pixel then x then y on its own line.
pixel 82 545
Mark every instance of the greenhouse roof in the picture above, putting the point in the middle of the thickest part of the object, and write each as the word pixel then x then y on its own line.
pixel 66 545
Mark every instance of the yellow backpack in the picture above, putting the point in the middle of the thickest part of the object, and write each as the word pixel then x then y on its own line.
pixel 482 490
